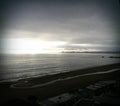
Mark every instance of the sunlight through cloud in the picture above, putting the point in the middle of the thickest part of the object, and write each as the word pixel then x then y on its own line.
pixel 33 46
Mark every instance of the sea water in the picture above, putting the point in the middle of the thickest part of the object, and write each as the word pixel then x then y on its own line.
pixel 20 66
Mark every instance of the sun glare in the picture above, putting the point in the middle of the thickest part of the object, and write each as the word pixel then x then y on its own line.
pixel 33 46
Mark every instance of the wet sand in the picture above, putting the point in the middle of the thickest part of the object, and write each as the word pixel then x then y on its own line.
pixel 52 85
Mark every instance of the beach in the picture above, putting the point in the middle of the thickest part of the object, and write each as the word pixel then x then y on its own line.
pixel 53 85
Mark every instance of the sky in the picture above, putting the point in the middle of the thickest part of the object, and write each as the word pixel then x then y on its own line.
pixel 51 26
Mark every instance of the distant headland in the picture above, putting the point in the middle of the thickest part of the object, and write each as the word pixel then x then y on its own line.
pixel 116 52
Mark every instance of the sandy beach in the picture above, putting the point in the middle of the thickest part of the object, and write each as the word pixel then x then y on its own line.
pixel 52 85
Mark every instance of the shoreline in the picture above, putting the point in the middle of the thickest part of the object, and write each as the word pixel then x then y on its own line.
pixel 60 86
pixel 46 78
pixel 27 85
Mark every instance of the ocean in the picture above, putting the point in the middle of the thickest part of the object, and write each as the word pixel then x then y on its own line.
pixel 20 66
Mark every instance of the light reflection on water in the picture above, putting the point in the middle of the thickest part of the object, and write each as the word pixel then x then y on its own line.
pixel 22 66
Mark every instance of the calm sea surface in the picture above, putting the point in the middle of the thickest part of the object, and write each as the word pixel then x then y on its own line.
pixel 14 67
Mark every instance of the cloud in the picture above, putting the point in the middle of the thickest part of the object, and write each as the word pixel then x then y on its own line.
pixel 75 22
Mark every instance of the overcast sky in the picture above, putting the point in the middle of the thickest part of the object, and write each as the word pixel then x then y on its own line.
pixel 77 24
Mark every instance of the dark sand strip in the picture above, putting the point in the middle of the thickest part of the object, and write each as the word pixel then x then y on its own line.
pixel 27 85
pixel 44 79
